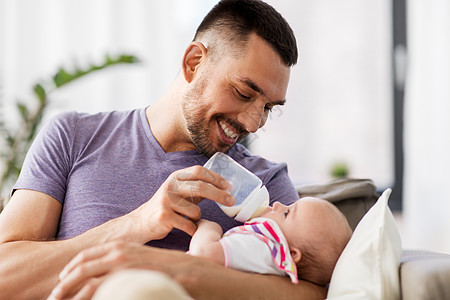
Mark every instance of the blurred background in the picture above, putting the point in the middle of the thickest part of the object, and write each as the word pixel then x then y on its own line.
pixel 369 97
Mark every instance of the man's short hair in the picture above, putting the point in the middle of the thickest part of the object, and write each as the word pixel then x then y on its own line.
pixel 232 21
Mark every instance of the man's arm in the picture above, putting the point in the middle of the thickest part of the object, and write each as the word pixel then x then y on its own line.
pixel 31 260
pixel 205 242
pixel 202 278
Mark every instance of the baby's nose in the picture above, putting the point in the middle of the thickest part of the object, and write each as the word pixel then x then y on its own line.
pixel 277 205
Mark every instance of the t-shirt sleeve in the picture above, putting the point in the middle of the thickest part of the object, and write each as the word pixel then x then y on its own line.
pixel 273 175
pixel 280 186
pixel 246 252
pixel 47 163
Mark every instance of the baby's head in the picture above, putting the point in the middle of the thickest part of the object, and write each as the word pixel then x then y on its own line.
pixel 317 233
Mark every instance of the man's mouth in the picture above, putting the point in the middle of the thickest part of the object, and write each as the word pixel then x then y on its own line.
pixel 228 133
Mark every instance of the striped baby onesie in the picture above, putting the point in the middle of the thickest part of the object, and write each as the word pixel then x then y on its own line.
pixel 259 246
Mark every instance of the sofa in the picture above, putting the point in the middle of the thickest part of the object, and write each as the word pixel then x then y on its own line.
pixel 417 274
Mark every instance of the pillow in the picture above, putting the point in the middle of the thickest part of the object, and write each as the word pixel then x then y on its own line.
pixel 368 268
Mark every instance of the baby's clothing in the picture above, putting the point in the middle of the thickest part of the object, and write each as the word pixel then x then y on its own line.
pixel 259 246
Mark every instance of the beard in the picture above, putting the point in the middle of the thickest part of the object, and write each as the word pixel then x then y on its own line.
pixel 195 109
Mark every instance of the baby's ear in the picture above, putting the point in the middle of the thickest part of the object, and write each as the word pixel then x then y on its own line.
pixel 296 254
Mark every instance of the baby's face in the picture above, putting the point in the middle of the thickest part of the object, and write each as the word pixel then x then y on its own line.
pixel 289 218
pixel 306 220
pixel 314 224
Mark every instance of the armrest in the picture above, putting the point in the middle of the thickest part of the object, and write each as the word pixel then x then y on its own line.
pixel 425 275
pixel 353 197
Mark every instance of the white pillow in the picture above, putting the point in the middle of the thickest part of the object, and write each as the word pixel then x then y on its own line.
pixel 368 268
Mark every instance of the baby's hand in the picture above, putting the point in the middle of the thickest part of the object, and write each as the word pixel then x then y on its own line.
pixel 201 222
pixel 205 241
pixel 208 225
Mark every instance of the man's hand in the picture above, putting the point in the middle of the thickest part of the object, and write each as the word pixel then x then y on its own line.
pixel 86 271
pixel 174 205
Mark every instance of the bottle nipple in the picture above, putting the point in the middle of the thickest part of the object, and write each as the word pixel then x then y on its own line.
pixel 260 210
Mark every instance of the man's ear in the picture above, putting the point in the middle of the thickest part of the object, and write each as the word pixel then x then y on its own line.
pixel 193 56
pixel 296 254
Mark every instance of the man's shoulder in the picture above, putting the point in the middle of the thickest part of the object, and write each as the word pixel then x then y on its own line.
pixel 107 116
pixel 274 175
pixel 84 121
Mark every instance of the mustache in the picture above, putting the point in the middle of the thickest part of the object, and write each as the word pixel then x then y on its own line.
pixel 241 131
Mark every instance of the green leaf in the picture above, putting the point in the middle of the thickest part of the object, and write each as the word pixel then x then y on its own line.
pixel 129 59
pixel 40 93
pixel 339 170
pixel 108 59
pixel 10 140
pixel 15 170
pixel 61 77
pixel 23 111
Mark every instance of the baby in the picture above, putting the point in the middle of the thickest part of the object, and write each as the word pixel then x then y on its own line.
pixel 303 240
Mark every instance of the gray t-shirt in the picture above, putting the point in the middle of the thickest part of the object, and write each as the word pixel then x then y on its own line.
pixel 105 165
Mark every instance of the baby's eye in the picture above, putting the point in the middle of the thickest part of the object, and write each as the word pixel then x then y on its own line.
pixel 286 213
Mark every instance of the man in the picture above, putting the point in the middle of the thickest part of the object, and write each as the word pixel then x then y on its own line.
pixel 132 178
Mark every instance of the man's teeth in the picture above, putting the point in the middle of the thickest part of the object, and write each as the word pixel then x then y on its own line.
pixel 228 132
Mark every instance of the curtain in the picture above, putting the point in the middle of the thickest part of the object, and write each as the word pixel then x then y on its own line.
pixel 38 37
pixel 427 127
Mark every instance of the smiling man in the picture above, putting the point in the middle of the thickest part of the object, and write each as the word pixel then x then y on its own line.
pixel 105 191
pixel 222 99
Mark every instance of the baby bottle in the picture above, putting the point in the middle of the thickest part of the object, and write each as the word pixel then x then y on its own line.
pixel 251 196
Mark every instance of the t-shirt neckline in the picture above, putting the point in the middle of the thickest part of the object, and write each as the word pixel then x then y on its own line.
pixel 157 147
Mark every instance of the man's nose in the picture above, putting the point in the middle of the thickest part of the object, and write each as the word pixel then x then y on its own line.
pixel 253 117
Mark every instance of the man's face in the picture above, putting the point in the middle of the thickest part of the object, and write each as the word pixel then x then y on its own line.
pixel 230 98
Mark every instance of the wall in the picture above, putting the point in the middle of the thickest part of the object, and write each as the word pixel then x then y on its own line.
pixel 339 102
pixel 427 127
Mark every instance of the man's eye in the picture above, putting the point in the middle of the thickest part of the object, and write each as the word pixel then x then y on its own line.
pixel 286 213
pixel 268 108
pixel 242 95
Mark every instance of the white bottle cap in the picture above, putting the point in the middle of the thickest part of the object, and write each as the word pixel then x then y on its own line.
pixel 256 199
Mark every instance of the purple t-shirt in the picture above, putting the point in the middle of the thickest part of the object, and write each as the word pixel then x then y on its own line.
pixel 105 165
